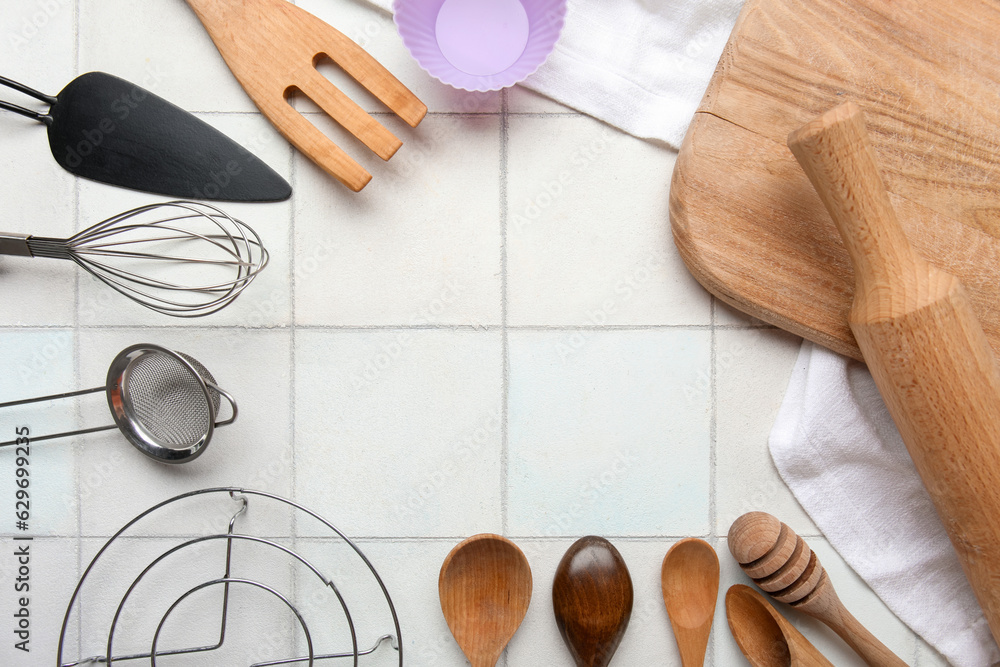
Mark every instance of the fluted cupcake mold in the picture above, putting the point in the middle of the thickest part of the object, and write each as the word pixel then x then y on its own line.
pixel 428 40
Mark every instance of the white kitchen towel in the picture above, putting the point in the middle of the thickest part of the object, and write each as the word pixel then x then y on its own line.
pixel 640 65
pixel 838 450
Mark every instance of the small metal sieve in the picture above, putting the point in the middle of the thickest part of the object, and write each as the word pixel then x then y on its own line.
pixel 165 403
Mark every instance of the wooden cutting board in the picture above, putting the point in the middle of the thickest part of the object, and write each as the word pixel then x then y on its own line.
pixel 927 74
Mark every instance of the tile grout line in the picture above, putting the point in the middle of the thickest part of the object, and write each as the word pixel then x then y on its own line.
pixel 292 173
pixel 379 113
pixel 713 413
pixel 504 340
pixel 448 540
pixel 713 422
pixel 519 327
pixel 409 327
pixel 77 448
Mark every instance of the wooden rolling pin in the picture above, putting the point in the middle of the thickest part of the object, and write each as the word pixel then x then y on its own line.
pixel 920 338
pixel 781 563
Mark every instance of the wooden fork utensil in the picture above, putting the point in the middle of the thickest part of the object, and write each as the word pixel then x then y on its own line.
pixel 272 47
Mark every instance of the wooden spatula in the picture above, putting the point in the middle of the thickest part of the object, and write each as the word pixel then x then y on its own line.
pixel 272 48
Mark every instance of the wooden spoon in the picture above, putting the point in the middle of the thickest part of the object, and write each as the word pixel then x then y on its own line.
pixel 485 587
pixel 781 563
pixel 690 582
pixel 764 636
pixel 592 597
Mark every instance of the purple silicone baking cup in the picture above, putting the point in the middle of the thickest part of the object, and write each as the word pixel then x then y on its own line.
pixel 416 21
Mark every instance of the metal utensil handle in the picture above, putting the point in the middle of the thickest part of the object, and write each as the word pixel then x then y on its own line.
pixel 21 88
pixel 15 244
pixel 54 397
pixel 232 404
pixel 53 436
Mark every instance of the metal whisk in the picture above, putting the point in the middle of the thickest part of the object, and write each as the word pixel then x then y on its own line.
pixel 179 258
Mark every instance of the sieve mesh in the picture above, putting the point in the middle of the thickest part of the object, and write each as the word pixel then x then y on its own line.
pixel 208 378
pixel 168 401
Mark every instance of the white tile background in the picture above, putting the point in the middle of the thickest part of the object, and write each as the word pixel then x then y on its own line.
pixel 496 335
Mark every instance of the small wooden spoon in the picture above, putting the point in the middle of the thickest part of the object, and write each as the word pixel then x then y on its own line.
pixel 592 597
pixel 765 638
pixel 485 588
pixel 781 563
pixel 690 582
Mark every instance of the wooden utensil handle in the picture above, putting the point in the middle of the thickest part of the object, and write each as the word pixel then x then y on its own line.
pixel 835 153
pixel 858 637
pixel 923 344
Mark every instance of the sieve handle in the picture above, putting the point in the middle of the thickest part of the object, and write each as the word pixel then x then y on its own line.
pixel 54 397
pixel 232 405
pixel 51 397
pixel 60 435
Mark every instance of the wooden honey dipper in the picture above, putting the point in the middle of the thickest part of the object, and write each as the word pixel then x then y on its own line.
pixel 782 564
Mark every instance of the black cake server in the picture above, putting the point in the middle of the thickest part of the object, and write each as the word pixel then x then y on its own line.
pixel 107 129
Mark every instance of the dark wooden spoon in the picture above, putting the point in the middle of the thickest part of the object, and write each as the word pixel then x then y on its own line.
pixel 592 597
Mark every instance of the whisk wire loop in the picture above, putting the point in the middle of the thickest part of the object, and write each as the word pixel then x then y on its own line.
pixel 99 252
pixel 162 284
pixel 104 230
pixel 156 301
pixel 127 284
pixel 160 225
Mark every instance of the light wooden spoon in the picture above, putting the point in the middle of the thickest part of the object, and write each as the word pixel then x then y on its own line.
pixel 690 582
pixel 592 598
pixel 485 588
pixel 765 638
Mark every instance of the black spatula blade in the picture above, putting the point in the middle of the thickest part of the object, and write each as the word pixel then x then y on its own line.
pixel 113 131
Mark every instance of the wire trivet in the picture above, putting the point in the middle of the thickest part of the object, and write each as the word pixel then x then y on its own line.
pixel 154 591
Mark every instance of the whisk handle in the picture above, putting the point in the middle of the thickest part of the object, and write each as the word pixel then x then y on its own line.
pixel 14 244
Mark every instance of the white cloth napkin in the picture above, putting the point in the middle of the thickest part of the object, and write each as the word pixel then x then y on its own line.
pixel 837 448
pixel 640 65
